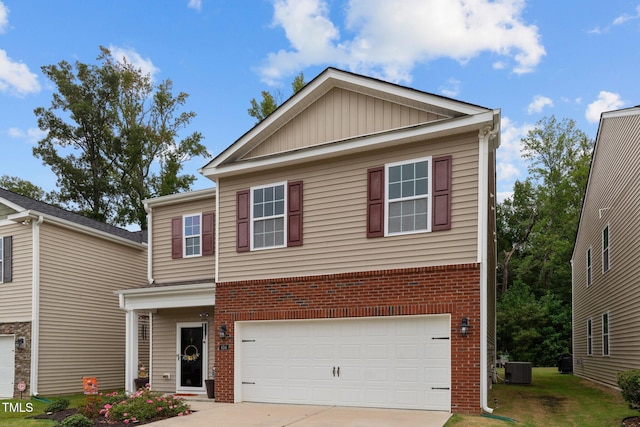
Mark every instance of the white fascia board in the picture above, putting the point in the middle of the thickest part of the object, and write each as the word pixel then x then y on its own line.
pixel 34 215
pixel 358 144
pixel 634 111
pixel 180 197
pixel 195 295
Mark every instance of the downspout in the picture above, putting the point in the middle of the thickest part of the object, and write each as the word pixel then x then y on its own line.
pixel 148 209
pixel 217 231
pixel 486 134
pixel 35 305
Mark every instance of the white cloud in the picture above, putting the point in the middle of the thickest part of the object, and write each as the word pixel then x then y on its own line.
pixel 4 17
pixel 509 162
pixel 31 135
pixel 15 77
pixel 195 4
pixel 389 38
pixel 538 104
pixel 451 88
pixel 607 101
pixel 626 17
pixel 134 58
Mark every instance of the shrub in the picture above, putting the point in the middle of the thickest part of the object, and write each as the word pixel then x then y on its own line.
pixel 629 382
pixel 145 405
pixel 91 406
pixel 57 405
pixel 76 420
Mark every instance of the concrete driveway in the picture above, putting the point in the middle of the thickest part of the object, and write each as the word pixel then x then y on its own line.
pixel 277 415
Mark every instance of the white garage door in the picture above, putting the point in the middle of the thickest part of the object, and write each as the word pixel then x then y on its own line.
pixel 7 365
pixel 389 362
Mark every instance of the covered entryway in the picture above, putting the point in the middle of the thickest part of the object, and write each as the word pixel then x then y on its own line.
pixel 7 365
pixel 383 362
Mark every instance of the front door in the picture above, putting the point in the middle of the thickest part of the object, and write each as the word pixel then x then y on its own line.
pixel 192 356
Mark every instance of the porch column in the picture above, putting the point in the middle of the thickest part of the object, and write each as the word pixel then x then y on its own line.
pixel 131 351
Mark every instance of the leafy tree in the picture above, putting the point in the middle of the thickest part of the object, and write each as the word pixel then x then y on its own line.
pixel 26 188
pixel 271 101
pixel 113 138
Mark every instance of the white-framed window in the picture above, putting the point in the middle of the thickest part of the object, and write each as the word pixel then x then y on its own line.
pixel 407 197
pixel 268 225
pixel 1 259
pixel 605 249
pixel 192 235
pixel 605 334
pixel 589 337
pixel 589 276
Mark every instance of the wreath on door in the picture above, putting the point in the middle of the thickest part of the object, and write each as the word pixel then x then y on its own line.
pixel 190 357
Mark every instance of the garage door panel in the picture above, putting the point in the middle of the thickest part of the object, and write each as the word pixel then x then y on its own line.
pixel 384 362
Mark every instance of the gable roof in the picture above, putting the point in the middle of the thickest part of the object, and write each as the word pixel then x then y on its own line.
pixel 453 114
pixel 25 205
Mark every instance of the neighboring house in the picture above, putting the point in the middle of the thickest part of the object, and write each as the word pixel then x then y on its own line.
pixel 605 267
pixel 59 319
pixel 353 261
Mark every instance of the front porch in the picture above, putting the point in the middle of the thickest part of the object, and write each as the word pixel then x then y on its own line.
pixel 180 318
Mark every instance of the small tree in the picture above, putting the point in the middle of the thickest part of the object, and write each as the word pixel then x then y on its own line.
pixel 271 101
pixel 629 382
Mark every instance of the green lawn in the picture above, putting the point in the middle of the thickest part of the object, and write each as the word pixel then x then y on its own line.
pixel 553 399
pixel 19 413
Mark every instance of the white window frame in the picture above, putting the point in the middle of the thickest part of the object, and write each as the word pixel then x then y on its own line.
pixel 1 259
pixel 185 237
pixel 606 335
pixel 589 261
pixel 283 216
pixel 429 196
pixel 589 336
pixel 606 250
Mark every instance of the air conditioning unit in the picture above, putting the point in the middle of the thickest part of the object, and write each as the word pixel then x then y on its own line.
pixel 517 373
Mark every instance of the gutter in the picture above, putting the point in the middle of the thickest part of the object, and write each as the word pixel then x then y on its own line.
pixel 35 305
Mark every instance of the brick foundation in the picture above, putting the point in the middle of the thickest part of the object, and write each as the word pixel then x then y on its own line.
pixel 453 290
pixel 22 356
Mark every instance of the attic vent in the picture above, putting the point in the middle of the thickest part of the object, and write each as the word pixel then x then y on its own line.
pixel 517 372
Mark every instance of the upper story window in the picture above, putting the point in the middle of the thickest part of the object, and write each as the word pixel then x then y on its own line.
pixel 605 249
pixel 605 334
pixel 268 216
pixel 192 235
pixel 408 202
pixel 1 259
pixel 6 254
pixel 589 338
pixel 589 267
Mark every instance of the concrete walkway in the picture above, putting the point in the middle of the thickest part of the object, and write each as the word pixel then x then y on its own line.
pixel 279 415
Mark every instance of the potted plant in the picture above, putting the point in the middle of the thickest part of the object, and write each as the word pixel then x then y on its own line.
pixel 143 377
pixel 210 383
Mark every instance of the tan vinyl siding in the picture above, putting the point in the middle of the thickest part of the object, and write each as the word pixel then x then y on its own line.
pixel 341 114
pixel 15 303
pixel 166 269
pixel 165 340
pixel 82 329
pixel 5 211
pixel 335 218
pixel 613 187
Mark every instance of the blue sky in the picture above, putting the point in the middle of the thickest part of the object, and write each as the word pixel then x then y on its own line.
pixel 572 59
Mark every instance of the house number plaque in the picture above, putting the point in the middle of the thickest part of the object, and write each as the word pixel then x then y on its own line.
pixel 223 347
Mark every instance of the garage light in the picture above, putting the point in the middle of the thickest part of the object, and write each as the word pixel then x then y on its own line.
pixel 222 333
pixel 464 327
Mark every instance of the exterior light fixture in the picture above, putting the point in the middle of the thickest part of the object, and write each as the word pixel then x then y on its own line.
pixel 222 333
pixel 464 327
pixel 20 343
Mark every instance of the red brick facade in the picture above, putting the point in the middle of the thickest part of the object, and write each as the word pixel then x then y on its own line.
pixel 453 289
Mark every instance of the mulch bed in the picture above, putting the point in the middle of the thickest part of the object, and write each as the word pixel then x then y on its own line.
pixel 97 422
pixel 631 422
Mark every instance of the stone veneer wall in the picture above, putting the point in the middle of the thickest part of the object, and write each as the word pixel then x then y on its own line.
pixel 452 289
pixel 22 356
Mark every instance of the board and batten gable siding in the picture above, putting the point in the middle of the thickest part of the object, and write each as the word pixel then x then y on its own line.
pixel 334 217
pixel 613 199
pixel 82 328
pixel 15 304
pixel 164 349
pixel 166 269
pixel 341 114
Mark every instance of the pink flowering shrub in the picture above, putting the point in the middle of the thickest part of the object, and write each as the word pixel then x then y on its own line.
pixel 145 405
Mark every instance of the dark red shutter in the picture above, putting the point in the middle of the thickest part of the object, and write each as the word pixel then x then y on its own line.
pixel 242 221
pixel 441 213
pixel 176 237
pixel 7 258
pixel 208 227
pixel 294 213
pixel 375 202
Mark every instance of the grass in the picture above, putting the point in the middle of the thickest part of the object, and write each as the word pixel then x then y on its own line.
pixel 12 415
pixel 553 399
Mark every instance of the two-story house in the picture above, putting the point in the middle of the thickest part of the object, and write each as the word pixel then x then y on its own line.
pixel 605 267
pixel 59 319
pixel 353 260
